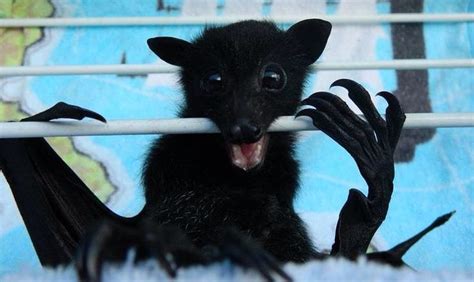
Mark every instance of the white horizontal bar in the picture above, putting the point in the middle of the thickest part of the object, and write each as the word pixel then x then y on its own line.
pixel 146 69
pixel 199 20
pixel 196 125
pixel 122 69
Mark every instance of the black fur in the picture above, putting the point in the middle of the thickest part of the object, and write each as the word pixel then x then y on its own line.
pixel 190 180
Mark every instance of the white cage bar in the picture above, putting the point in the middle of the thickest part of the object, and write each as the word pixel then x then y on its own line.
pixel 147 68
pixel 203 125
pixel 199 20
pixel 197 125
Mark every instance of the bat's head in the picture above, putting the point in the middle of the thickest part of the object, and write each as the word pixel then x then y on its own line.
pixel 243 76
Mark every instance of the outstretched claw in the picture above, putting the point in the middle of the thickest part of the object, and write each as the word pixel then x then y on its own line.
pixel 371 144
pixel 248 254
pixel 111 242
pixel 394 256
pixel 63 110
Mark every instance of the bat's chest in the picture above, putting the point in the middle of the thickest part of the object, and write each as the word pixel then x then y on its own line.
pixel 200 215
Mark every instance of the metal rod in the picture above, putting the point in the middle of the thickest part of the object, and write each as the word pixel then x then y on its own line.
pixel 197 125
pixel 199 20
pixel 146 69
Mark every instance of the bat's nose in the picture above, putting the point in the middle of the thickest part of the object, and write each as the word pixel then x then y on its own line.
pixel 245 132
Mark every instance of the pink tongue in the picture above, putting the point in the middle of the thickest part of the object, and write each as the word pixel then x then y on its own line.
pixel 248 149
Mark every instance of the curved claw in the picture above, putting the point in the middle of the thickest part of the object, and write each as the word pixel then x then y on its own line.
pixel 249 254
pixel 83 113
pixel 89 258
pixel 110 241
pixel 64 110
pixel 350 85
pixel 170 246
pixel 315 116
pixel 248 260
pixel 395 117
pixel 276 267
pixel 315 95
pixel 394 110
pixel 390 98
pixel 306 112
pixel 163 261
pixel 361 98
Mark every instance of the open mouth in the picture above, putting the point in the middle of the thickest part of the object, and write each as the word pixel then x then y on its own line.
pixel 248 156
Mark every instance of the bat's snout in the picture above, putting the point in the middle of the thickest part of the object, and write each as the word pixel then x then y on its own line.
pixel 244 131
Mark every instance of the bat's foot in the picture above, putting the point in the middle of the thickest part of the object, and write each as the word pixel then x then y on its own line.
pixel 63 110
pixel 371 143
pixel 248 254
pixel 111 242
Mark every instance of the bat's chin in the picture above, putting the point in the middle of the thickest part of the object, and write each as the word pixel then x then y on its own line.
pixel 248 156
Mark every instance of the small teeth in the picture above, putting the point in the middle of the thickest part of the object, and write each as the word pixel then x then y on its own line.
pixel 254 158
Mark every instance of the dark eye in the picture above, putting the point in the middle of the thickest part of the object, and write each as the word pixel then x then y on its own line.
pixel 273 78
pixel 212 82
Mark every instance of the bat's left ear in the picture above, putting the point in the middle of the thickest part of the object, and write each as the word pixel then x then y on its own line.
pixel 312 35
pixel 172 50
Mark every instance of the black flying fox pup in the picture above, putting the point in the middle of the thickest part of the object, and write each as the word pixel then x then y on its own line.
pixel 241 76
pixel 214 196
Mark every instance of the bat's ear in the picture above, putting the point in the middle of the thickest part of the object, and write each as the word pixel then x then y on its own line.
pixel 172 50
pixel 312 35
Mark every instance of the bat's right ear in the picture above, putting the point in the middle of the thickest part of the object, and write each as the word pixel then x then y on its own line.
pixel 312 36
pixel 172 50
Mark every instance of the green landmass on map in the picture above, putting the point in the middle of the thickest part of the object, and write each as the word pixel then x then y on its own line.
pixel 14 41
pixel 13 45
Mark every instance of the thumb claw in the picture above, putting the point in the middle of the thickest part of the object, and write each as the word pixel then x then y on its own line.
pixel 94 115
pixel 64 110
